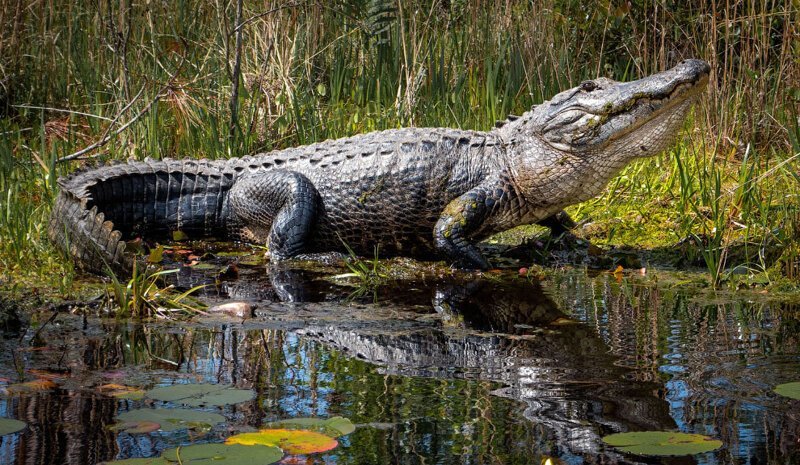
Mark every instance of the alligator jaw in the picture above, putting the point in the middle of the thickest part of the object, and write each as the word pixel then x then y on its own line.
pixel 655 109
pixel 678 92
pixel 597 113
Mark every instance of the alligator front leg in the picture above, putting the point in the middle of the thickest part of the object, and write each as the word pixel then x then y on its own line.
pixel 459 221
pixel 285 203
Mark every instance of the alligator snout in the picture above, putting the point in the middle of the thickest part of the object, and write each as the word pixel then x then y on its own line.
pixel 696 67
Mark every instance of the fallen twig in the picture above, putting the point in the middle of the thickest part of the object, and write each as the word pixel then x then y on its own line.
pixel 265 13
pixel 62 110
pixel 106 137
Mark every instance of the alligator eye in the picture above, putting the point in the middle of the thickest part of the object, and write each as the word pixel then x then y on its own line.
pixel 588 86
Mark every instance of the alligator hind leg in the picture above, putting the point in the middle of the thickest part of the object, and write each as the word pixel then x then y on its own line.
pixel 285 203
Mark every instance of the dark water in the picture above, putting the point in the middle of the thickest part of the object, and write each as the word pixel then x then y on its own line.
pixel 489 371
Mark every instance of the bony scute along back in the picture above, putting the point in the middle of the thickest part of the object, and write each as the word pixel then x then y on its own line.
pixel 422 192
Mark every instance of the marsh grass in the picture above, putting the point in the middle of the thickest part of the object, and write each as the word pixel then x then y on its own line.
pixel 367 274
pixel 146 295
pixel 72 73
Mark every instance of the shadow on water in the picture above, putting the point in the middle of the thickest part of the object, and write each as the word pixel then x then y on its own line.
pixel 482 371
pixel 513 334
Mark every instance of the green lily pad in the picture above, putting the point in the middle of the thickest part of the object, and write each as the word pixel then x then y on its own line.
pixel 662 443
pixel 121 391
pixel 790 390
pixel 294 442
pixel 9 425
pixel 139 427
pixel 196 395
pixel 179 236
pixel 251 260
pixel 214 454
pixel 170 419
pixel 156 255
pixel 333 427
pixel 130 395
pixel 204 266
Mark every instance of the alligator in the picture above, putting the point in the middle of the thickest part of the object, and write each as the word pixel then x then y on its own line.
pixel 418 192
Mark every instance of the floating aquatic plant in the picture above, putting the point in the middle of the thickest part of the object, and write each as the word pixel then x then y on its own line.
pixel 169 419
pixel 122 392
pixel 216 454
pixel 291 441
pixel 333 427
pixel 210 454
pixel 790 390
pixel 662 443
pixel 36 385
pixel 9 426
pixel 196 395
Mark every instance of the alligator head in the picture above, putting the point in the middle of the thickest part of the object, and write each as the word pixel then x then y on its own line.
pixel 637 118
pixel 583 136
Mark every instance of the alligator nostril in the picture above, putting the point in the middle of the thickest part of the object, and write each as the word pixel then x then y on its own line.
pixel 699 65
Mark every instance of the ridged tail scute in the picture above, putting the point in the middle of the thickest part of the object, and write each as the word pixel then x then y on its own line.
pixel 98 210
pixel 88 237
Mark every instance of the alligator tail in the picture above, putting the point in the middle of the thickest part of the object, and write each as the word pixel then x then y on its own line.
pixel 98 210
pixel 87 236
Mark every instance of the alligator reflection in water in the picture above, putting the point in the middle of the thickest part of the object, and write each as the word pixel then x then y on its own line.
pixel 512 333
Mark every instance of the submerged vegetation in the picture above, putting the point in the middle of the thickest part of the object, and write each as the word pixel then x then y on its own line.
pixel 85 83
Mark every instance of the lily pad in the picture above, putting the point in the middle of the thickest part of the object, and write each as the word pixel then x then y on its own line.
pixel 36 385
pixel 196 395
pixel 139 427
pixel 179 236
pixel 121 391
pixel 9 425
pixel 214 454
pixel 294 442
pixel 333 427
pixel 251 260
pixel 204 266
pixel 790 390
pixel 156 255
pixel 662 443
pixel 171 419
